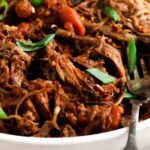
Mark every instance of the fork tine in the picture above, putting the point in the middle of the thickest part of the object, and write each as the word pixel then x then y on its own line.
pixel 141 90
pixel 147 65
pixel 144 68
pixel 145 56
pixel 143 65
pixel 139 80
pixel 140 70
pixel 127 74
pixel 136 73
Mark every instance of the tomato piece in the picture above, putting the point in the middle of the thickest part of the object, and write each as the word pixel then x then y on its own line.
pixel 23 8
pixel 68 26
pixel 116 116
pixel 68 16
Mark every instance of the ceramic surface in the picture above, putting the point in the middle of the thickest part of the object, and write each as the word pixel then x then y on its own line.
pixel 113 140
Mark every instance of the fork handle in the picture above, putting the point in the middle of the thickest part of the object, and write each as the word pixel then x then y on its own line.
pixel 131 143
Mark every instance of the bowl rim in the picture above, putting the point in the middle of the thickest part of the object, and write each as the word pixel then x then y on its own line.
pixel 71 140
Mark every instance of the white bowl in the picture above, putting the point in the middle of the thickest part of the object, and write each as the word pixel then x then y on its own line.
pixel 113 140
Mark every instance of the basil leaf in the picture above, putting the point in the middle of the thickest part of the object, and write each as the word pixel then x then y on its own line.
pixel 102 76
pixel 28 46
pixel 3 115
pixel 131 55
pixel 110 12
pixel 4 6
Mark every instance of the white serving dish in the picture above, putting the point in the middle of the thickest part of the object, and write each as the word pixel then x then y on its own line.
pixel 113 140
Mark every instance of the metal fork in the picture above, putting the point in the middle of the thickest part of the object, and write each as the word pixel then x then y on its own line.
pixel 140 87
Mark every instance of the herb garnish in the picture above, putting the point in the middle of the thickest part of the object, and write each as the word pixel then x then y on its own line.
pixel 28 46
pixel 4 7
pixel 3 115
pixel 110 12
pixel 36 2
pixel 128 95
pixel 131 55
pixel 102 76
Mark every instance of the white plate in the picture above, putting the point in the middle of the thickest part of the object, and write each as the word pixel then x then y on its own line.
pixel 113 140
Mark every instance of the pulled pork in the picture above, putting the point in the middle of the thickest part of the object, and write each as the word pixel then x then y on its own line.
pixel 47 92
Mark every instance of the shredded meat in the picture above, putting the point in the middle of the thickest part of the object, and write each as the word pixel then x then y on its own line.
pixel 14 63
pixel 47 92
pixel 134 14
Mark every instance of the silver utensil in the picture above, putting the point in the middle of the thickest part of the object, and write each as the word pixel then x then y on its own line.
pixel 139 85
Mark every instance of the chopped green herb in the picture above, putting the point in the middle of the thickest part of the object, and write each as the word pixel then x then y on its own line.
pixel 4 8
pixel 110 12
pixel 36 2
pixel 128 95
pixel 28 46
pixel 3 115
pixel 102 76
pixel 131 55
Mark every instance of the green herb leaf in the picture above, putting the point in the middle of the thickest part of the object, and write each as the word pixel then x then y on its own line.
pixel 102 76
pixel 131 55
pixel 36 2
pixel 28 46
pixel 3 115
pixel 4 6
pixel 110 12
pixel 128 95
